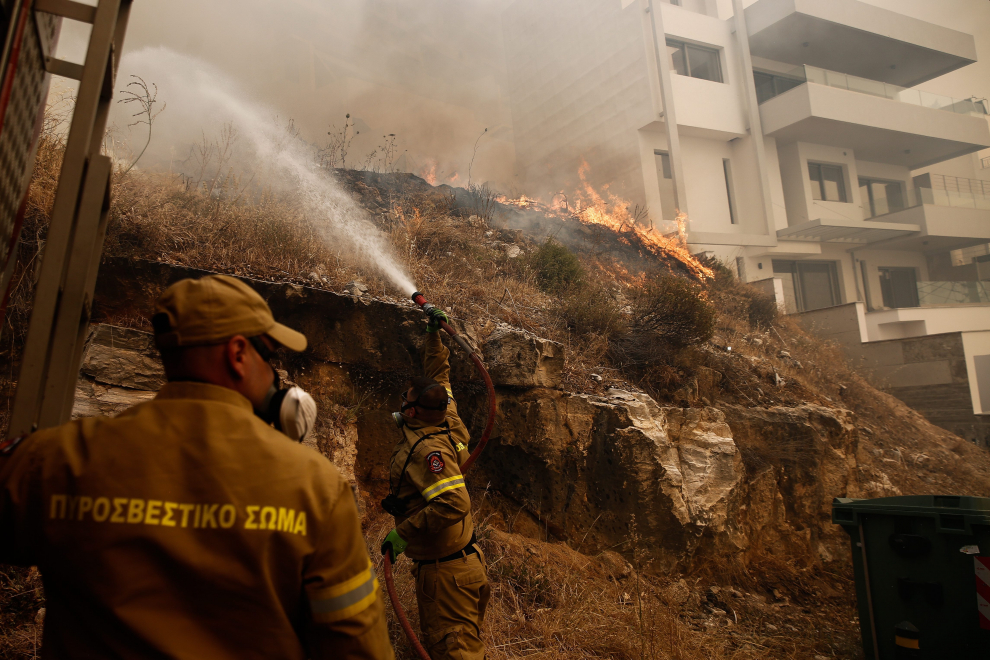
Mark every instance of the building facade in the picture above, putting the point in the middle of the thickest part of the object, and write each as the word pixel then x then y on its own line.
pixel 796 135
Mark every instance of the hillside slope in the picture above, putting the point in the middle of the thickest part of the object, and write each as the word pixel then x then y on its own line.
pixel 655 368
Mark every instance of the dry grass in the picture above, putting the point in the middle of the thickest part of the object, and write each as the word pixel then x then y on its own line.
pixel 551 602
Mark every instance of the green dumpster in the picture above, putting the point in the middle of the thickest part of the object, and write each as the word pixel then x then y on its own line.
pixel 922 568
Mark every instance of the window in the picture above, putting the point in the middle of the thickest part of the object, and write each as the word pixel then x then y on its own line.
pixel 827 182
pixel 899 287
pixel 666 179
pixel 694 61
pixel 880 197
pixel 664 159
pixel 808 285
pixel 727 170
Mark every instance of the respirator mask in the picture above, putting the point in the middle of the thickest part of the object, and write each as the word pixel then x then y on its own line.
pixel 291 410
pixel 400 419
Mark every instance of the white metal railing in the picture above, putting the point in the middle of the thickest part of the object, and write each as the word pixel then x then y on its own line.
pixel 954 191
pixel 779 83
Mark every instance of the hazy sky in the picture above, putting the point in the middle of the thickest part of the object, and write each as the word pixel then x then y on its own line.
pixel 430 71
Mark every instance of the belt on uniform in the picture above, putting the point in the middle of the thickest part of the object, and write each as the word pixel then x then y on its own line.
pixel 469 549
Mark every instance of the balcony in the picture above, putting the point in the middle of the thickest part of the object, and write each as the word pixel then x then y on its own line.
pixel 769 85
pixel 950 212
pixel 856 38
pixel 882 123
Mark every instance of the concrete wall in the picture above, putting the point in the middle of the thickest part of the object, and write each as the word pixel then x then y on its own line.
pixel 845 324
pixel 941 376
pixel 883 324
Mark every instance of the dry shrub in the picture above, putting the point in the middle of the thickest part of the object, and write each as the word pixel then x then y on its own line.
pixel 670 315
pixel 557 268
pixel 675 311
pixel 763 311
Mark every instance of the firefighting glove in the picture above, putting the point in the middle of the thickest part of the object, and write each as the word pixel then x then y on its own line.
pixel 436 315
pixel 393 545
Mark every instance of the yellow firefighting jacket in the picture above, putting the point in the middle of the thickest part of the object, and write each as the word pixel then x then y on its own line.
pixel 438 516
pixel 188 528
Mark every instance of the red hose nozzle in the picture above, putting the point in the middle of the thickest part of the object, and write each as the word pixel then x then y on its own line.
pixel 418 298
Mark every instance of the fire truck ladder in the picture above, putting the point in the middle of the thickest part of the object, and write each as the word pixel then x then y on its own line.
pixel 64 293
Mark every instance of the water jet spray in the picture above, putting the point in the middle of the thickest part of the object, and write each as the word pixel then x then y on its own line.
pixel 420 300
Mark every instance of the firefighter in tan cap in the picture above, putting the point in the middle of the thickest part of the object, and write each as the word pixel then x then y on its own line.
pixel 187 526
pixel 432 510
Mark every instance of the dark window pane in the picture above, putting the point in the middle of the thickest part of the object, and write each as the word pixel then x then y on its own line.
pixel 864 196
pixel 880 197
pixel 703 63
pixel 677 62
pixel 899 287
pixel 666 185
pixel 817 285
pixel 764 86
pixel 833 184
pixel 895 196
pixel 815 174
pixel 727 170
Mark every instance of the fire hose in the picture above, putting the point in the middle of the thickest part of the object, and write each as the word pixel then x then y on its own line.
pixel 420 300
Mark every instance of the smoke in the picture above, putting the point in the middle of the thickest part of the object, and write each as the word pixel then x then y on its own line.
pixel 431 72
pixel 201 100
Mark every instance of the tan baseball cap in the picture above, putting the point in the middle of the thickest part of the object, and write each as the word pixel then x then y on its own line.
pixel 213 309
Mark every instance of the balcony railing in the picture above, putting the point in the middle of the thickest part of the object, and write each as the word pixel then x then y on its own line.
pixel 942 190
pixel 769 85
pixel 953 293
pixel 934 189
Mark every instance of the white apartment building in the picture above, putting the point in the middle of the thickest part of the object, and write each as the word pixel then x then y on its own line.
pixel 798 138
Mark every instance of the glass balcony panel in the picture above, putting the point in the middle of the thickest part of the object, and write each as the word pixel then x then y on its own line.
pixel 933 101
pixel 815 75
pixel 953 293
pixel 865 86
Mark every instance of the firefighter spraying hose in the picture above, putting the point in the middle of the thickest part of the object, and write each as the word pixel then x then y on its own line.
pixel 445 479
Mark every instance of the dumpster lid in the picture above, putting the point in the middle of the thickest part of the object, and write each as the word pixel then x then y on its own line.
pixel 975 510
pixel 899 504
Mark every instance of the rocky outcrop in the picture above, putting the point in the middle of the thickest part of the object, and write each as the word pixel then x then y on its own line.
pixel 120 369
pixel 618 471
pixel 797 460
pixel 517 358
pixel 670 484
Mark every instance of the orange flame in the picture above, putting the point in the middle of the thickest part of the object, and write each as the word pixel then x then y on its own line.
pixel 609 210
pixel 429 173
